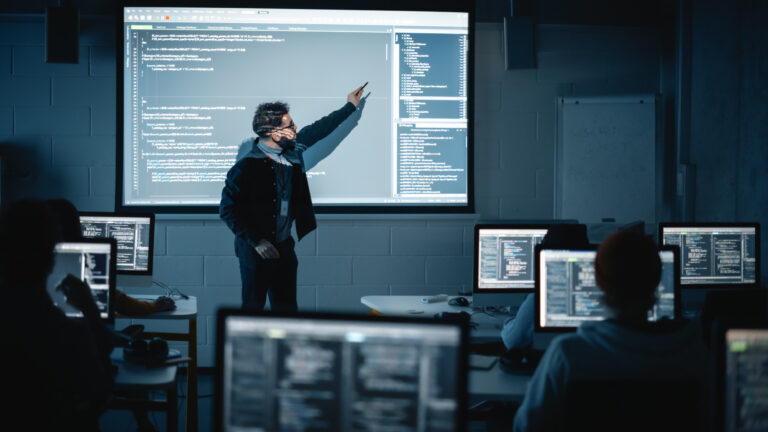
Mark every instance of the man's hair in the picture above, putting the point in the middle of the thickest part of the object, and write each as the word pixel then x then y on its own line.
pixel 628 269
pixel 268 116
pixel 28 234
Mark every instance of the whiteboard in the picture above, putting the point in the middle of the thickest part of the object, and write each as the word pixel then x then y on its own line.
pixel 606 159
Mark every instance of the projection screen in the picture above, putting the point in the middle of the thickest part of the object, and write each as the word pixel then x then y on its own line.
pixel 192 75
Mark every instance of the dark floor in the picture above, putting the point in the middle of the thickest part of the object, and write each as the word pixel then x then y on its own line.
pixel 124 421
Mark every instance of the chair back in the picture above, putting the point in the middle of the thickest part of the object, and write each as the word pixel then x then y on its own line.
pixel 634 405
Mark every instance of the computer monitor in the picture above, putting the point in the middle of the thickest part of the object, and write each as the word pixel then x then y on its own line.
pixel 743 378
pixel 135 234
pixel 92 261
pixel 341 373
pixel 715 254
pixel 503 261
pixel 567 293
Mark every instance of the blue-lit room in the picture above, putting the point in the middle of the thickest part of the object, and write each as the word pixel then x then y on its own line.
pixel 484 215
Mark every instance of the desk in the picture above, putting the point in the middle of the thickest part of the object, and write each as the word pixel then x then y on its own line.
pixel 496 385
pixel 485 328
pixel 132 377
pixel 491 385
pixel 186 309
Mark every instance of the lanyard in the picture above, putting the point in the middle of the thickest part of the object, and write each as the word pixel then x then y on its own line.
pixel 281 174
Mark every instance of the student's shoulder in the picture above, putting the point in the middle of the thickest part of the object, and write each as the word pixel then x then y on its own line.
pixel 567 339
pixel 568 346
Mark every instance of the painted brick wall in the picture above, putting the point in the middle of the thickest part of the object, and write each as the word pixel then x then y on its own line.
pixel 57 128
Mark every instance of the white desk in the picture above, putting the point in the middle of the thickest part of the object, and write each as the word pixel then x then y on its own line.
pixel 131 378
pixel 186 309
pixel 485 328
pixel 493 384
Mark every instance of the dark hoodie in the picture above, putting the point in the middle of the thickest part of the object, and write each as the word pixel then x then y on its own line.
pixel 608 350
pixel 249 202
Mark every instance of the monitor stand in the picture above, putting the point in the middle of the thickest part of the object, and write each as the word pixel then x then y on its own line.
pixel 692 301
pixel 127 283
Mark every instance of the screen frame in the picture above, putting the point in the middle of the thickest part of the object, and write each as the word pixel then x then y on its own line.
pixel 476 255
pixel 462 385
pixel 151 216
pixel 110 319
pixel 754 225
pixel 467 6
pixel 719 343
pixel 678 301
pixel 537 288
pixel 676 275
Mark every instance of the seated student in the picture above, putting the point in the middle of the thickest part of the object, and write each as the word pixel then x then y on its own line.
pixel 518 331
pixel 626 346
pixel 68 222
pixel 57 372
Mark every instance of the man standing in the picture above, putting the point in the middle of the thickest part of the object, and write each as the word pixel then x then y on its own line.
pixel 265 192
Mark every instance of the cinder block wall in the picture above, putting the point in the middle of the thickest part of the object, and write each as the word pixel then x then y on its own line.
pixel 57 133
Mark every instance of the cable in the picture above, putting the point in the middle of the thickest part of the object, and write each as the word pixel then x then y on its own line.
pixel 170 292
pixel 481 312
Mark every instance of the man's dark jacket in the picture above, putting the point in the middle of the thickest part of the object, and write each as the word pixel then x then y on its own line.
pixel 249 203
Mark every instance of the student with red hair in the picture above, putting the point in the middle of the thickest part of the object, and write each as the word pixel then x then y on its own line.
pixel 624 346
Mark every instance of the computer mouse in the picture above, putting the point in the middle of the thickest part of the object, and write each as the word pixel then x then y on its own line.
pixel 458 301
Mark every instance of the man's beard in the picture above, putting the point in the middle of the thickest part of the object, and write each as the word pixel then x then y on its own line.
pixel 287 144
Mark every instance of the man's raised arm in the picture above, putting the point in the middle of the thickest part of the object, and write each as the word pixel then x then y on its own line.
pixel 320 129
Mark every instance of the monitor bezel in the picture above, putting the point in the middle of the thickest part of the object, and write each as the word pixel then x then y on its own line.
pixel 705 286
pixel 678 303
pixel 151 216
pixel 678 308
pixel 476 257
pixel 537 287
pixel 467 6
pixel 719 346
pixel 463 348
pixel 110 319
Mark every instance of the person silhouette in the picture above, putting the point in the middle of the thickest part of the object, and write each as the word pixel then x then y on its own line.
pixel 67 221
pixel 265 192
pixel 624 345
pixel 58 371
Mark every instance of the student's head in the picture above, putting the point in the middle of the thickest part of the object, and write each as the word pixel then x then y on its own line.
pixel 28 234
pixel 67 219
pixel 628 270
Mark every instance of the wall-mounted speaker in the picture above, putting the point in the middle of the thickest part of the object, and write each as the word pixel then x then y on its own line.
pixel 519 42
pixel 62 35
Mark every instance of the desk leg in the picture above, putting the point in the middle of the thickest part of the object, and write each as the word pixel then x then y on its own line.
pixel 192 378
pixel 172 420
